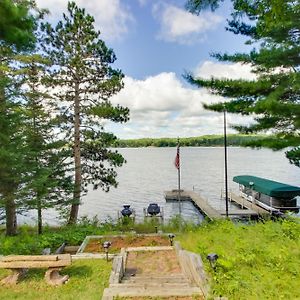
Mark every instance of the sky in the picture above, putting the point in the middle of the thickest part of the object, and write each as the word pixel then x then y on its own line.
pixel 156 42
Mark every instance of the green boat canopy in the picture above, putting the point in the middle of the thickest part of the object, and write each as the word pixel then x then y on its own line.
pixel 268 187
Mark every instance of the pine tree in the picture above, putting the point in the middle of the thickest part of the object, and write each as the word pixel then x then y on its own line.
pixel 84 81
pixel 47 183
pixel 274 98
pixel 11 157
pixel 17 24
pixel 16 34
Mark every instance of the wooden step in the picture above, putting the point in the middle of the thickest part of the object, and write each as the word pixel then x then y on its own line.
pixel 148 292
pixel 147 284
pixel 159 279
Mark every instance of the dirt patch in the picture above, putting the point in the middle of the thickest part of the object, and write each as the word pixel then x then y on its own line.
pixel 95 245
pixel 152 263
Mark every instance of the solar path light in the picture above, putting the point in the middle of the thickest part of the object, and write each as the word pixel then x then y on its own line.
pixel 212 258
pixel 106 245
pixel 171 238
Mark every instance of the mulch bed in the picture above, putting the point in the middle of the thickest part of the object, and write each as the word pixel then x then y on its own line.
pixel 95 245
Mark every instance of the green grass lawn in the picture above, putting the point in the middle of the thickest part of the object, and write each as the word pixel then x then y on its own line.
pixel 257 261
pixel 88 278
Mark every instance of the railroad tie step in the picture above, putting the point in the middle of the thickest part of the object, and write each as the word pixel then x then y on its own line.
pixel 146 292
pixel 147 284
pixel 172 275
pixel 154 279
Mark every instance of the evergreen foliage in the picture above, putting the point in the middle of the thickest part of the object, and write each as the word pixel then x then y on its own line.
pixel 12 150
pixel 274 97
pixel 47 181
pixel 36 126
pixel 83 81
pixel 16 34
pixel 17 24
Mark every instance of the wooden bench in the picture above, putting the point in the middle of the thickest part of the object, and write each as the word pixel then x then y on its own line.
pixel 19 264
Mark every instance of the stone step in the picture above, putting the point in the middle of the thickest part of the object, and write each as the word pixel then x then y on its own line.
pixel 120 291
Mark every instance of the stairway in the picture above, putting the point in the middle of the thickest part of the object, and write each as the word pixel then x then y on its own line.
pixel 166 272
pixel 155 286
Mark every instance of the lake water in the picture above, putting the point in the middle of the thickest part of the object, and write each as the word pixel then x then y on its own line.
pixel 151 171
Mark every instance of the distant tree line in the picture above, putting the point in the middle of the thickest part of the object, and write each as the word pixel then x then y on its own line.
pixel 200 141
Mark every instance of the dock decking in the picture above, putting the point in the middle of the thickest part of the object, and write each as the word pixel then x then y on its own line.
pixel 203 205
pixel 197 200
pixel 247 204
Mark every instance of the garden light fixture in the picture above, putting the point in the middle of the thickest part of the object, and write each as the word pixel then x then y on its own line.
pixel 106 245
pixel 212 258
pixel 171 238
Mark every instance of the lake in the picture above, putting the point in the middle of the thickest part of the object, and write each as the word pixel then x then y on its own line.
pixel 151 171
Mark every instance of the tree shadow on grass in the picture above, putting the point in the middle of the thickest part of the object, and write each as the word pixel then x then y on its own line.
pixel 78 271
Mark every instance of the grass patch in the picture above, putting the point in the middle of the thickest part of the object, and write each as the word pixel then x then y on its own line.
pixel 29 242
pixel 256 261
pixel 88 278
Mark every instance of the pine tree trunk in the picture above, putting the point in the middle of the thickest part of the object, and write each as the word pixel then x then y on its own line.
pixel 77 159
pixel 11 218
pixel 39 201
pixel 40 219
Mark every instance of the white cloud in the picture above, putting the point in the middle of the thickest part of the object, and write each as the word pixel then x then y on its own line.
pixel 112 17
pixel 178 25
pixel 142 2
pixel 156 93
pixel 161 106
pixel 210 69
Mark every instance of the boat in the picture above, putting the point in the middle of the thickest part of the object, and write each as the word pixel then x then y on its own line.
pixel 269 194
pixel 153 209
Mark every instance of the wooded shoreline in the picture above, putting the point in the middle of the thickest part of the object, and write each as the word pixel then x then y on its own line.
pixel 205 140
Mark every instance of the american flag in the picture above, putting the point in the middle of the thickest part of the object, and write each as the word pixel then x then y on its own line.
pixel 177 159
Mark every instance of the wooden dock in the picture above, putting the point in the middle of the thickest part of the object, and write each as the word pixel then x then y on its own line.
pixel 238 212
pixel 248 209
pixel 199 202
pixel 247 204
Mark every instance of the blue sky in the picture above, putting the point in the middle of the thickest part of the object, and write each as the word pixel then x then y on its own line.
pixel 146 51
pixel 155 42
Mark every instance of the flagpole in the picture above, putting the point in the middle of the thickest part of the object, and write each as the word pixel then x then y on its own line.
pixel 179 192
pixel 225 161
